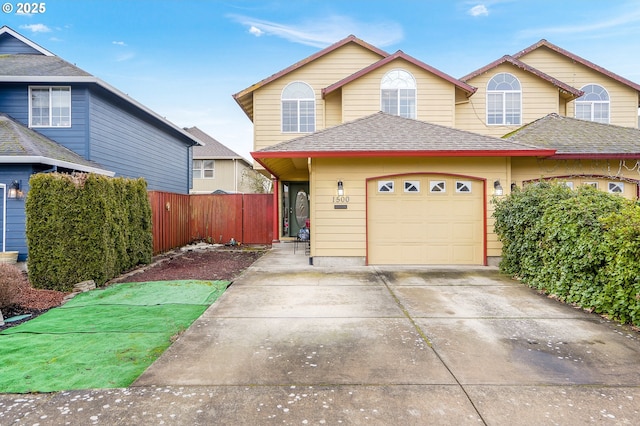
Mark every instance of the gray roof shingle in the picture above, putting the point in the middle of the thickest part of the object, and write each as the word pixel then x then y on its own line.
pixel 21 144
pixel 212 148
pixel 38 65
pixel 382 132
pixel 573 136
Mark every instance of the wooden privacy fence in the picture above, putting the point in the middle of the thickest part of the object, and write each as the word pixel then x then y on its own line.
pixel 180 219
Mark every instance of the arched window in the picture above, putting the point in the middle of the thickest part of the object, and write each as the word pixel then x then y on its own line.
pixel 298 108
pixel 504 100
pixel 594 104
pixel 398 94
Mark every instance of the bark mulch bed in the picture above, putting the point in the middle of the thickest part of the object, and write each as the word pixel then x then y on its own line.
pixel 199 262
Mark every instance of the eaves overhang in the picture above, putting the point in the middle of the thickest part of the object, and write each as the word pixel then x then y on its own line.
pixel 35 159
pixel 275 162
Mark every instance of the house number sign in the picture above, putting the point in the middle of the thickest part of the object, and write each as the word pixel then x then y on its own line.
pixel 340 202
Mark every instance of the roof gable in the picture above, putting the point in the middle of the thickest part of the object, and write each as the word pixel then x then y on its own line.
pixel 469 90
pixel 574 138
pixel 564 88
pixel 545 44
pixel 48 68
pixel 20 144
pixel 211 147
pixel 244 98
pixel 28 46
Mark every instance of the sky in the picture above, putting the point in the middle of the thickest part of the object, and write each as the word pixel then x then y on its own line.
pixel 184 59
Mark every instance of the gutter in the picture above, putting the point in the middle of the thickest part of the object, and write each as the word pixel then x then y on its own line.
pixel 27 159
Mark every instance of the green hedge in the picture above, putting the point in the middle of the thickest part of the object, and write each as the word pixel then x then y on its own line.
pixel 581 246
pixel 85 227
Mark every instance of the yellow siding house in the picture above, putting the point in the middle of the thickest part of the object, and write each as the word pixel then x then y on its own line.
pixel 392 161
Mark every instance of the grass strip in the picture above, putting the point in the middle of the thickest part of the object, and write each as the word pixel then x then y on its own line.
pixel 101 339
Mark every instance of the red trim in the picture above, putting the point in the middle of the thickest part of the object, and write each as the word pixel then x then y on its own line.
pixel 409 153
pixel 484 206
pixel 598 156
pixel 400 55
pixel 309 59
pixel 578 59
pixel 276 208
pixel 576 93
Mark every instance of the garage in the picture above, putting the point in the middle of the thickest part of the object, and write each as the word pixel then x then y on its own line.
pixel 426 219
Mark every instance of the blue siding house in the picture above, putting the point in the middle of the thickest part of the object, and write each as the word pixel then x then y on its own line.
pixel 55 116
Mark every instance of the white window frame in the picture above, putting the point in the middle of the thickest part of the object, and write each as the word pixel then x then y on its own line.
pixel 389 184
pixel 413 186
pixel 202 170
pixel 615 187
pixel 465 184
pixel 63 121
pixel 593 100
pixel 298 101
pixel 503 92
pixel 399 94
pixel 440 184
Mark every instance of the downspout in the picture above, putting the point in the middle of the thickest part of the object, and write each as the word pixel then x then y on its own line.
pixel 4 216
pixel 235 175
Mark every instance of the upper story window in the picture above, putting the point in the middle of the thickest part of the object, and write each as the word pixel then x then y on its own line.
pixel 594 104
pixel 49 106
pixel 398 94
pixel 203 169
pixel 504 100
pixel 298 108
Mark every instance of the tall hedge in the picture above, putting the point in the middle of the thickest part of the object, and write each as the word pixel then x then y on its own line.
pixel 581 246
pixel 85 226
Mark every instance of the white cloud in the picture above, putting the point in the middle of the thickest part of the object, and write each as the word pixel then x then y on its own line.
pixel 479 10
pixel 36 28
pixel 119 43
pixel 322 32
pixel 256 31
pixel 624 22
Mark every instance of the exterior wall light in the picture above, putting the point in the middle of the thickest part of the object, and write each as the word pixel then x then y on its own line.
pixel 497 188
pixel 340 188
pixel 14 192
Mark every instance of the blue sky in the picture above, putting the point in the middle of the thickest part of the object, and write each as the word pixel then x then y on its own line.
pixel 185 59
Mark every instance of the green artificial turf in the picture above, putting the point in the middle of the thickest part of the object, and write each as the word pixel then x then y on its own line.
pixel 103 338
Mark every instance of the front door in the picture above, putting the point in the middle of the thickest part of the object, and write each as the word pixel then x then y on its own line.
pixel 298 206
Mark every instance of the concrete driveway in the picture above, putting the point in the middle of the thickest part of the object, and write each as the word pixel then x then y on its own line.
pixel 290 343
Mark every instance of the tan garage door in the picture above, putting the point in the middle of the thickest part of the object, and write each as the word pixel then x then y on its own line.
pixel 425 220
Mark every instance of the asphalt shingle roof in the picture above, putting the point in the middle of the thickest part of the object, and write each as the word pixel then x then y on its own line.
pixel 38 65
pixel 573 136
pixel 382 132
pixel 212 148
pixel 17 140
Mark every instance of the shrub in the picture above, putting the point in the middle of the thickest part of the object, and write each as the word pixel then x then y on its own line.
pixel 85 227
pixel 11 282
pixel 518 224
pixel 582 246
pixel 620 295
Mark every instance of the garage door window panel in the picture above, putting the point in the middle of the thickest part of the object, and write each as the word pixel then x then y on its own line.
pixel 385 186
pixel 412 186
pixel 437 186
pixel 463 187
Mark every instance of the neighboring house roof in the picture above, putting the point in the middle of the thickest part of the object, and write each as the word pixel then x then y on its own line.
pixel 244 98
pixel 212 148
pixel 382 134
pixel 574 138
pixel 469 90
pixel 48 68
pixel 21 145
pixel 568 91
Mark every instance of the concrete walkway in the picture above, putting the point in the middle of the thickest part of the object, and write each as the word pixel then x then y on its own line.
pixel 290 343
